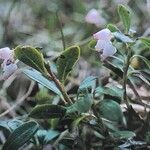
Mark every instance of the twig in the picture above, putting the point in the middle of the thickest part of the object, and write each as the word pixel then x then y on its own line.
pixel 60 86
pixel 20 100
pixel 125 71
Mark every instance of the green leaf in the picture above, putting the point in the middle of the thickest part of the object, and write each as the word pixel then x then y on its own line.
pixel 4 127
pixel 66 62
pixel 114 68
pixel 88 82
pixel 46 136
pixel 146 41
pixel 122 38
pixel 47 111
pixel 14 124
pixel 31 57
pixel 21 135
pixel 82 105
pixel 124 15
pixel 123 134
pixel 91 44
pixel 107 107
pixel 112 91
pixel 37 76
pixel 112 28
pixel 8 126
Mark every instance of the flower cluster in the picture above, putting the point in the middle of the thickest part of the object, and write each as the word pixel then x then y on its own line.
pixel 104 44
pixel 9 66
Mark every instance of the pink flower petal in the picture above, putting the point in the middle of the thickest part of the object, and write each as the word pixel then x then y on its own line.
pixel 94 17
pixel 5 53
pixel 104 34
pixel 106 48
pixel 9 70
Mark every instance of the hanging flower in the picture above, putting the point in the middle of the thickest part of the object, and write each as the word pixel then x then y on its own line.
pixel 8 70
pixel 104 34
pixel 9 66
pixel 5 53
pixel 104 44
pixel 94 17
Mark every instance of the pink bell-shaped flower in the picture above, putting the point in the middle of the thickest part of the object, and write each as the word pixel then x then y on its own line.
pixel 9 66
pixel 105 48
pixel 5 53
pixel 94 17
pixel 104 34
pixel 104 44
pixel 8 70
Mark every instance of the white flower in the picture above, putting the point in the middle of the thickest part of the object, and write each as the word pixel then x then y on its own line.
pixel 9 70
pixel 94 17
pixel 104 34
pixel 8 65
pixel 104 44
pixel 105 48
pixel 5 53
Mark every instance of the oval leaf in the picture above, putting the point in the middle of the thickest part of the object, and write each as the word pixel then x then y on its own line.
pixel 66 61
pixel 124 134
pixel 107 107
pixel 120 37
pixel 88 82
pixel 31 57
pixel 47 111
pixel 20 136
pixel 112 28
pixel 82 105
pixel 124 15
pixel 92 44
pixel 46 136
pixel 37 76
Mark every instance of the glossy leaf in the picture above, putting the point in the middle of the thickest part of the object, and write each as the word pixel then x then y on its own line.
pixel 31 57
pixel 112 91
pixel 4 127
pixel 88 82
pixel 114 68
pixel 124 15
pixel 46 136
pixel 82 105
pixel 21 135
pixel 37 76
pixel 47 111
pixel 9 125
pixel 14 124
pixel 122 38
pixel 123 134
pixel 107 107
pixel 66 61
pixel 92 44
pixel 112 28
